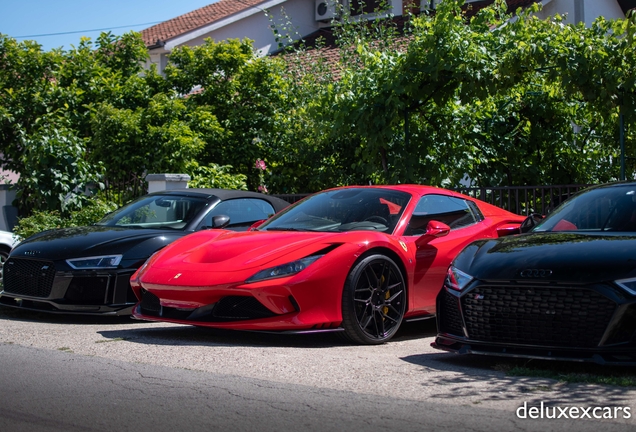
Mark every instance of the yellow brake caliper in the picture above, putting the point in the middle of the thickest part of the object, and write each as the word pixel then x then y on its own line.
pixel 385 309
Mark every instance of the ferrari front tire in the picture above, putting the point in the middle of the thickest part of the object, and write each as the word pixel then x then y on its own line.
pixel 373 300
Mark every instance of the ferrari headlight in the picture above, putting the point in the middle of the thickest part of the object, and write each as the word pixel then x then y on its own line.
pixel 284 270
pixel 96 262
pixel 457 279
pixel 628 285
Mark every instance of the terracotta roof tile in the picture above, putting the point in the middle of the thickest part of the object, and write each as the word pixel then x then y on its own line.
pixel 193 20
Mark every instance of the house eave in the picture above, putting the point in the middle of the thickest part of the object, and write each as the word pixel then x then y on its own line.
pixel 158 44
pixel 202 31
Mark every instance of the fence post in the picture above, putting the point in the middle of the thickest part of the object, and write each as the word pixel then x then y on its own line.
pixel 161 182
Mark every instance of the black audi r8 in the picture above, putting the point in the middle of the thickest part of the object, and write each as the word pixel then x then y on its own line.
pixel 87 269
pixel 565 290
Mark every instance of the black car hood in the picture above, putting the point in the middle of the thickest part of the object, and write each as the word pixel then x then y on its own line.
pixel 95 240
pixel 545 257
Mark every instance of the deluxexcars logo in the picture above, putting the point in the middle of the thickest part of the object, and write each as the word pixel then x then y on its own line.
pixel 573 412
pixel 535 273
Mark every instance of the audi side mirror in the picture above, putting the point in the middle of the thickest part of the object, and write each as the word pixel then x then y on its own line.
pixel 530 222
pixel 220 221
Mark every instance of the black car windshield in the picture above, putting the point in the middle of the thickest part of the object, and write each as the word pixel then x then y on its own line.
pixel 601 209
pixel 156 211
pixel 350 209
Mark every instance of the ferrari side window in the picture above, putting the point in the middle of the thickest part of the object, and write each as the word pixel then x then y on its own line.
pixel 475 210
pixel 454 212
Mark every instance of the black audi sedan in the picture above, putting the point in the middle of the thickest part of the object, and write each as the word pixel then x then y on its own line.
pixel 86 270
pixel 565 290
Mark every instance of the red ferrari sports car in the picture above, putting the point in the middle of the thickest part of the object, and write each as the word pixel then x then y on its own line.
pixel 357 259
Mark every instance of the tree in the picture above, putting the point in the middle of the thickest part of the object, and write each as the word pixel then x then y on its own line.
pixel 442 99
pixel 131 143
pixel 59 175
pixel 243 91
pixel 45 111
pixel 500 101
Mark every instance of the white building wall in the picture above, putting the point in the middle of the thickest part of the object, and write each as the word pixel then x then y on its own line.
pixel 558 7
pixel 608 8
pixel 257 27
pixel 581 10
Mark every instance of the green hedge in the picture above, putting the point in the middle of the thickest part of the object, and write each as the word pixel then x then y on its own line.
pixel 45 220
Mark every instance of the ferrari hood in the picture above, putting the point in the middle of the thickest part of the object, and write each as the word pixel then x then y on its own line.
pixel 544 257
pixel 87 241
pixel 236 251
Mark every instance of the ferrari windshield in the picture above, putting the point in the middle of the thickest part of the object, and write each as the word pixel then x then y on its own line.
pixel 601 209
pixel 163 211
pixel 349 209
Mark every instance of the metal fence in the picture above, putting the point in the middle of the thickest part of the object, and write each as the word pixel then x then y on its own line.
pixel 291 198
pixel 521 200
pixel 524 200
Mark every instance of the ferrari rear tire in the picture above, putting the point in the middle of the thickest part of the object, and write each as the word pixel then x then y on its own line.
pixel 373 300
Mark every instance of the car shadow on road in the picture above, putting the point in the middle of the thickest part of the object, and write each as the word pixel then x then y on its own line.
pixel 189 335
pixel 526 377
pixel 15 314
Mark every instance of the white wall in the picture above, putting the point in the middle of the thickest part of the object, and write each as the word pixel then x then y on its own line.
pixel 581 10
pixel 607 8
pixel 257 27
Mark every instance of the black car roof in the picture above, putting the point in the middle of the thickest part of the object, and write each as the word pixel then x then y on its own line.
pixel 226 194
pixel 612 184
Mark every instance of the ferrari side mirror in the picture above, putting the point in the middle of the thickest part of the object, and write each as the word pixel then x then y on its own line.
pixel 437 229
pixel 508 229
pixel 256 224
pixel 434 229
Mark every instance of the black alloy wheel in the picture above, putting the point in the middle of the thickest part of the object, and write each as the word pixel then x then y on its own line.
pixel 373 300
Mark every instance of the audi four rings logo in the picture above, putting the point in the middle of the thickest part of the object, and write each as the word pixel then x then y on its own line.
pixel 535 273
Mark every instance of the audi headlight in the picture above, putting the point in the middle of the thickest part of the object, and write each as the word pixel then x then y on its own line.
pixel 628 285
pixel 284 270
pixel 457 279
pixel 95 262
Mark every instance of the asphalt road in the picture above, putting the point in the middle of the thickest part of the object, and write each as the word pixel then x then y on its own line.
pixel 72 373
